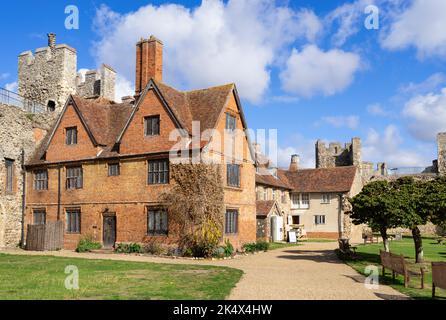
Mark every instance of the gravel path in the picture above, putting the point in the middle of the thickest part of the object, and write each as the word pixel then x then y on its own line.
pixel 310 271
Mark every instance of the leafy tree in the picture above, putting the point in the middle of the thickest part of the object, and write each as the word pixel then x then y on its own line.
pixel 195 205
pixel 436 201
pixel 375 207
pixel 411 205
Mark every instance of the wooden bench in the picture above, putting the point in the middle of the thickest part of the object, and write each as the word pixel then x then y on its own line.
pixel 438 276
pixel 398 265
pixel 370 238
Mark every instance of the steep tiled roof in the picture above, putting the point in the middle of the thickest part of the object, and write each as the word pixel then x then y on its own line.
pixel 106 120
pixel 338 179
pixel 263 207
pixel 267 179
pixel 203 105
pixel 103 118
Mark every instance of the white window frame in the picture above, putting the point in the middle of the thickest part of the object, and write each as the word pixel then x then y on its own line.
pixel 320 219
pixel 326 198
pixel 303 200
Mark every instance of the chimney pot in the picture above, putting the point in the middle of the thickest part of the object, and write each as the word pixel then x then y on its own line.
pixel 51 40
pixel 294 165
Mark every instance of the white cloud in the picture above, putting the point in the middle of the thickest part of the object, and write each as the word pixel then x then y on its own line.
pixel 421 25
pixel 426 115
pixel 377 110
pixel 313 71
pixel 12 86
pixel 347 19
pixel 123 88
pixel 214 43
pixel 387 147
pixel 82 73
pixel 351 122
pixel 430 84
pixel 297 144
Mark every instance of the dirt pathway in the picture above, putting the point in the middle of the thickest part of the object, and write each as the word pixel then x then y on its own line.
pixel 310 271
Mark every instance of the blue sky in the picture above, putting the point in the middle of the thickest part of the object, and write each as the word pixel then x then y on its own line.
pixel 307 68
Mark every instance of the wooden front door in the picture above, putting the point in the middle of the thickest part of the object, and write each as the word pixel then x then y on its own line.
pixel 109 238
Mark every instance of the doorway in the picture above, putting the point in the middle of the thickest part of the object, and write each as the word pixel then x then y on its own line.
pixel 109 231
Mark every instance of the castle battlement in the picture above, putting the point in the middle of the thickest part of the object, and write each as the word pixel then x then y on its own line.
pixel 97 83
pixel 49 75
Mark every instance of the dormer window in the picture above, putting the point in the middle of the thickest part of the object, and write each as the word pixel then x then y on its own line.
pixel 71 135
pixel 152 126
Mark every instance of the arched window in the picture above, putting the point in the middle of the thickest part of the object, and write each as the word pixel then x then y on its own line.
pixel 51 106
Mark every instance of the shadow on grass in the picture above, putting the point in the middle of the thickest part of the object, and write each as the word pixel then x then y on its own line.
pixel 391 296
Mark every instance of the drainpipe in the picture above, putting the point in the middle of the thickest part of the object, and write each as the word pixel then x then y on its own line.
pixel 58 192
pixel 22 235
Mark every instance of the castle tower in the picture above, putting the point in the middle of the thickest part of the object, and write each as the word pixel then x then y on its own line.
pixel 441 144
pixel 336 155
pixel 48 76
pixel 355 151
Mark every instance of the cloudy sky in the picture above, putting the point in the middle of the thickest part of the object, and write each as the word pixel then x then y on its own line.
pixel 310 69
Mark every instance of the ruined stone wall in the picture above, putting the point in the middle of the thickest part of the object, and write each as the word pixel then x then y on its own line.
pixel 336 155
pixel 441 161
pixel 49 74
pixel 97 83
pixel 18 131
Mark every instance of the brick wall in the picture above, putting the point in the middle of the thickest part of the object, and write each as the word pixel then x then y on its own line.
pixel 128 195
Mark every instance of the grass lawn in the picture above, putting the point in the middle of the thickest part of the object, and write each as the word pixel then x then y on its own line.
pixel 43 277
pixel 369 255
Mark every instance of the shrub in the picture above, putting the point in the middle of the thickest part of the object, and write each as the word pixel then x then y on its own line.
pixel 262 246
pixel 86 244
pixel 250 247
pixel 228 248
pixel 128 248
pixel 219 252
pixel 155 248
pixel 256 246
pixel 200 247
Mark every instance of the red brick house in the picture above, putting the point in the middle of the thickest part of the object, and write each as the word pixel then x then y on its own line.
pixel 104 164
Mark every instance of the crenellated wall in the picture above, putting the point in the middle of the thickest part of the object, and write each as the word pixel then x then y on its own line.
pixel 50 75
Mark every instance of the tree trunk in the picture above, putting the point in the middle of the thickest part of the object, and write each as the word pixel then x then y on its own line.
pixel 416 234
pixel 383 232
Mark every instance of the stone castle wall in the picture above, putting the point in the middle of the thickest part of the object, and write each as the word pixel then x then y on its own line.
pixel 18 131
pixel 97 83
pixel 50 74
pixel 441 161
pixel 336 155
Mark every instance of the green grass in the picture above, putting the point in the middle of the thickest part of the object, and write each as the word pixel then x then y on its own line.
pixel 280 245
pixel 43 277
pixel 369 255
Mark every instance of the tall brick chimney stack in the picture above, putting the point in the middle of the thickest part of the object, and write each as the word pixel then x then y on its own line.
pixel 294 165
pixel 51 40
pixel 149 62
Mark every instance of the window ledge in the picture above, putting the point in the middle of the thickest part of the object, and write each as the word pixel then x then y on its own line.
pixel 234 188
